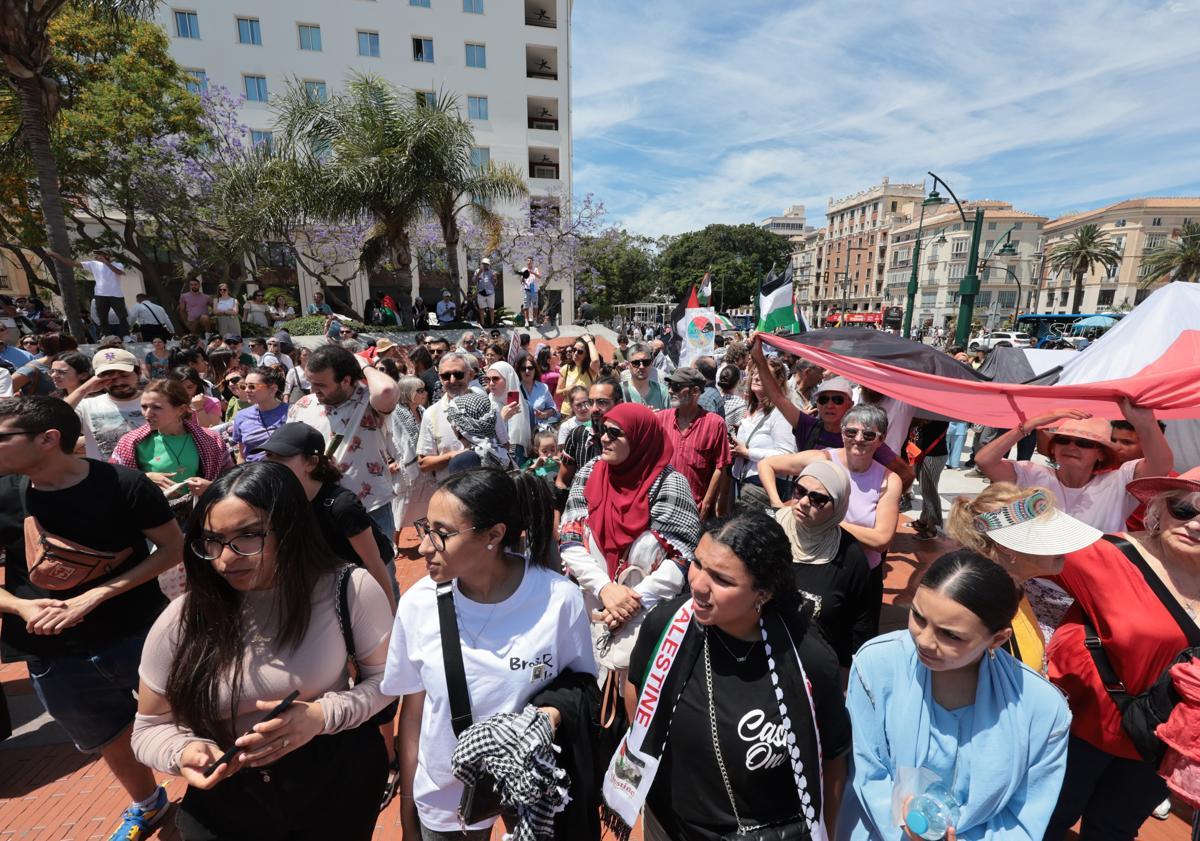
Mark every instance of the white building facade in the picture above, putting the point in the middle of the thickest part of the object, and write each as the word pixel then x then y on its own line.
pixel 507 62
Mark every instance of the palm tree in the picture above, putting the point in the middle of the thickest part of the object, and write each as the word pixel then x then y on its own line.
pixel 1087 246
pixel 362 156
pixel 1177 259
pixel 24 53
pixel 455 185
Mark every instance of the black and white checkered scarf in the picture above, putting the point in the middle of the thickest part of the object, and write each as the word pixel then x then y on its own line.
pixel 518 750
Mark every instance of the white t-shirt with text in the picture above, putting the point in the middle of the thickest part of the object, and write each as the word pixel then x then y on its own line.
pixel 105 420
pixel 511 650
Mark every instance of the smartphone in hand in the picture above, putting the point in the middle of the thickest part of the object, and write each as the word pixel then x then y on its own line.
pixel 275 713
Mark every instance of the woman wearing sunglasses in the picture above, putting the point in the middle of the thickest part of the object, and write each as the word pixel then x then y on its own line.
pixel 542 408
pixel 629 530
pixel 1082 449
pixel 581 366
pixel 1137 597
pixel 259 621
pixel 874 489
pixel 253 425
pixel 829 565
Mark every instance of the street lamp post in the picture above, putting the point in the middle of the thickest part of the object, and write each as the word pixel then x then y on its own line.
pixel 933 201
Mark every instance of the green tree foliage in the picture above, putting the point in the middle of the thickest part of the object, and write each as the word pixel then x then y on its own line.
pixel 617 267
pixel 737 256
pixel 1176 259
pixel 1087 247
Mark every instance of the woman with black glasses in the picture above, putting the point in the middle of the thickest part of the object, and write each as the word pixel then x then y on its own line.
pixel 259 622
pixel 518 623
pixel 1083 480
pixel 829 565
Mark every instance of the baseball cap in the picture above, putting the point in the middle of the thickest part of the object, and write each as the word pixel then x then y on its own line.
pixel 232 337
pixel 486 261
pixel 445 293
pixel 293 439
pixel 686 376
pixel 114 359
pixel 838 384
pixel 1034 526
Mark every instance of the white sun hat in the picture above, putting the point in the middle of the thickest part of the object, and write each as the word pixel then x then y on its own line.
pixel 1034 526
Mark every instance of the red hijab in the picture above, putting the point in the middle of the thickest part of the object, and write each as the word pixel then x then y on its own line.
pixel 618 496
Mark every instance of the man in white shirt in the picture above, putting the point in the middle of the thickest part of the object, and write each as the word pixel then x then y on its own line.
pixel 108 294
pixel 107 416
pixel 150 320
pixel 437 442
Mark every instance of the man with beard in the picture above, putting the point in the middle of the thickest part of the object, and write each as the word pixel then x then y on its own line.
pixel 117 408
pixel 348 405
pixel 437 442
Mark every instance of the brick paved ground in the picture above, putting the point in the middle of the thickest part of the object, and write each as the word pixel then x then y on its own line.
pixel 50 792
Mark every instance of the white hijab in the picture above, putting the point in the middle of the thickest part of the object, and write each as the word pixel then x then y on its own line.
pixel 519 432
pixel 819 544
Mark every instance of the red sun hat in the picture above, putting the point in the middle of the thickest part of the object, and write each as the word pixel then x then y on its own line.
pixel 1151 486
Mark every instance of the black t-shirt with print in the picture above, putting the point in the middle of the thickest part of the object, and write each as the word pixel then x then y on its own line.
pixel 108 510
pixel 341 516
pixel 691 802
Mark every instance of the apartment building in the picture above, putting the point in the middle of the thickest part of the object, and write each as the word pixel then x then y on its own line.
pixel 1136 227
pixel 854 249
pixel 507 62
pixel 791 224
pixel 1007 284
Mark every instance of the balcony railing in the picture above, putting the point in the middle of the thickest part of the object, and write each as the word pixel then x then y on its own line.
pixel 533 73
pixel 541 19
pixel 543 123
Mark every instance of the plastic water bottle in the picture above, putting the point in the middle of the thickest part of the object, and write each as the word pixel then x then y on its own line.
pixel 930 814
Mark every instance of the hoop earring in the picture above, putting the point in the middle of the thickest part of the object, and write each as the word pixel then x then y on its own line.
pixel 992 653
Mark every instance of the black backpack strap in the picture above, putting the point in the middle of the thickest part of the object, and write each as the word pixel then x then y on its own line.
pixel 1186 624
pixel 342 608
pixel 452 660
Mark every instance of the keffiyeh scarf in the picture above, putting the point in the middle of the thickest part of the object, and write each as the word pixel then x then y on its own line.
pixel 518 750
pixel 474 418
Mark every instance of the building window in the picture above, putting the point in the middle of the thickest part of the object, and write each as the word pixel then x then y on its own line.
pixel 1106 297
pixel 249 31
pixel 1008 300
pixel 427 99
pixel 310 37
pixel 1049 298
pixel 1154 241
pixel 422 49
pixel 476 55
pixel 197 81
pixel 477 107
pixel 991 226
pixel 958 248
pixel 424 4
pixel 315 91
pixel 1156 222
pixel 957 271
pixel 187 25
pixel 256 88
pixel 473 7
pixel 261 138
pixel 368 44
pixel 481 156
pixel 1120 223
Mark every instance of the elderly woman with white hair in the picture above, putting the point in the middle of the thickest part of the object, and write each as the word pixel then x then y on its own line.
pixel 413 488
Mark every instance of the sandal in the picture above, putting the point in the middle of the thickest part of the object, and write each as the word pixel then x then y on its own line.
pixel 393 784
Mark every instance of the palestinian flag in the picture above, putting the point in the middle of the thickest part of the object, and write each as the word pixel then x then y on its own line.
pixel 704 296
pixel 776 308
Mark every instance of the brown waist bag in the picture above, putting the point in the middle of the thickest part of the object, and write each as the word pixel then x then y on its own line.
pixel 56 563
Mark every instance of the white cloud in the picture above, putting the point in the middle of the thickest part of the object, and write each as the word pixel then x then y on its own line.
pixel 696 112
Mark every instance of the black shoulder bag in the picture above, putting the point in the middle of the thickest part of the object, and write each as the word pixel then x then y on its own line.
pixel 342 608
pixel 1142 713
pixel 480 800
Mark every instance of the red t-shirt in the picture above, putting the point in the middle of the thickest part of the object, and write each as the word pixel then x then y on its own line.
pixel 1140 637
pixel 700 450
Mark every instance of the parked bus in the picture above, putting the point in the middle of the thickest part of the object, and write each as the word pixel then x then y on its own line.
pixel 1048 328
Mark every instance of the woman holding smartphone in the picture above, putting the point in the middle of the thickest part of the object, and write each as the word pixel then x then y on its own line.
pixel 259 621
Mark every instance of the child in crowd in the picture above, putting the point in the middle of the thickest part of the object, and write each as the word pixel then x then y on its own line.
pixel 545 462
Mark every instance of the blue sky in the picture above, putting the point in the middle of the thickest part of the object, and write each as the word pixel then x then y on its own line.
pixel 688 112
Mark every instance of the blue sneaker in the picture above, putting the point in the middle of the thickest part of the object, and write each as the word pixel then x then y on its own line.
pixel 137 823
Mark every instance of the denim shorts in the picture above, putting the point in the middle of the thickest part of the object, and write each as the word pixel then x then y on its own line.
pixel 92 695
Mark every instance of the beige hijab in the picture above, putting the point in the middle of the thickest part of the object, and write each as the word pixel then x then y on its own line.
pixel 819 545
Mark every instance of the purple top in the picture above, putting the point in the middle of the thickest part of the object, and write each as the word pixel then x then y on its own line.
pixel 251 428
pixel 865 490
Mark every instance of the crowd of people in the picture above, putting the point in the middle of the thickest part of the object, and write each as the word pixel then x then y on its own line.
pixel 652 593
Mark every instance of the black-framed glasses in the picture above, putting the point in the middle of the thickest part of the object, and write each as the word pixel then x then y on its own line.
pixel 640 363
pixel 815 498
pixel 602 402
pixel 1081 443
pixel 447 376
pixel 438 537
pixel 246 545
pixel 836 399
pixel 851 433
pixel 4 436
pixel 1182 510
pixel 613 432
